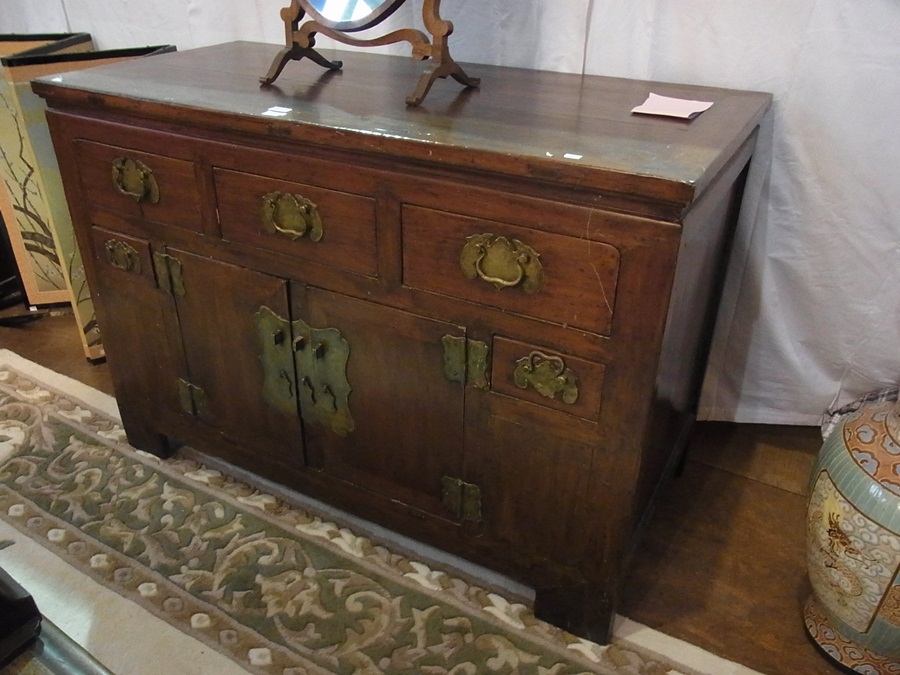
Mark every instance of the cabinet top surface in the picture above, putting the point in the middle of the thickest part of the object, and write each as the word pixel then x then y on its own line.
pixel 563 128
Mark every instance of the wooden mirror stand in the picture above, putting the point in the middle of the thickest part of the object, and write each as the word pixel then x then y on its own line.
pixel 300 42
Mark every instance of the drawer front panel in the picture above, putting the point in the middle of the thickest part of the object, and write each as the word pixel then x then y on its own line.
pixel 548 378
pixel 305 221
pixel 139 184
pixel 564 280
pixel 118 256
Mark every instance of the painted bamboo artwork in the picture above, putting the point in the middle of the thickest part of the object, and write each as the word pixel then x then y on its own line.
pixel 29 221
pixel 31 174
pixel 32 202
pixel 23 204
pixel 39 226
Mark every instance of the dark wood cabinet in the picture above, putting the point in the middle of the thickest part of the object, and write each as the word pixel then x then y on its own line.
pixel 481 322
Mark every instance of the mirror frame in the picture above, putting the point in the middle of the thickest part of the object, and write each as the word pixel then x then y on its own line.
pixel 374 17
pixel 300 42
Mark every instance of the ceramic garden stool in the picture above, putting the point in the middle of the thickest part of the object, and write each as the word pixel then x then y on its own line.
pixel 853 541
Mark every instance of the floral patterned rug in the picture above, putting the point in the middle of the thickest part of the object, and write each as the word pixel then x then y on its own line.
pixel 270 586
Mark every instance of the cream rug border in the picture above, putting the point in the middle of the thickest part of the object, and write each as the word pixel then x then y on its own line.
pixel 118 618
pixel 100 620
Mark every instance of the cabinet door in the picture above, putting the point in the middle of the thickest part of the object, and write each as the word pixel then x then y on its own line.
pixel 139 334
pixel 532 466
pixel 218 306
pixel 407 416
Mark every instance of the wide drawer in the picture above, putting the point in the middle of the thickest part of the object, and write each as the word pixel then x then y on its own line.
pixel 305 221
pixel 139 184
pixel 546 377
pixel 562 279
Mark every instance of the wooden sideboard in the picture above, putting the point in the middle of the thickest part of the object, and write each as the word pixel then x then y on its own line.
pixel 482 322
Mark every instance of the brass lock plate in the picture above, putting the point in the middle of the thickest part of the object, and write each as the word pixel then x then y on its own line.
pixel 321 356
pixel 306 366
pixel 277 359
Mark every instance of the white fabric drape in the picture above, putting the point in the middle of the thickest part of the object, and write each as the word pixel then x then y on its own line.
pixel 811 309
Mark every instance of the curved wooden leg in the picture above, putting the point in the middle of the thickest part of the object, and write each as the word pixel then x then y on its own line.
pixel 437 71
pixel 460 76
pixel 278 64
pixel 316 57
pixel 423 86
pixel 295 53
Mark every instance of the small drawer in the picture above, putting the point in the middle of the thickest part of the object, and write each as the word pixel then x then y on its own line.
pixel 546 377
pixel 561 279
pixel 120 254
pixel 139 184
pixel 307 222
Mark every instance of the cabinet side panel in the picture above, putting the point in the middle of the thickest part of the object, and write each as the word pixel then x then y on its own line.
pixel 702 259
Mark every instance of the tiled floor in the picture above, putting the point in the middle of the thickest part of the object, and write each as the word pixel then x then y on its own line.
pixel 722 563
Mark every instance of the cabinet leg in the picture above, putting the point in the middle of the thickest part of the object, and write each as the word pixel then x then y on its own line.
pixel 585 610
pixel 144 438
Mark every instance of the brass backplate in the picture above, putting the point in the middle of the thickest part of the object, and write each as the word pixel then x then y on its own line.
pixel 291 215
pixel 547 375
pixel 502 262
pixel 134 178
pixel 123 256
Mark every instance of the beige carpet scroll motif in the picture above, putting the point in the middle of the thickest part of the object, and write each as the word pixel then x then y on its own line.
pixel 270 586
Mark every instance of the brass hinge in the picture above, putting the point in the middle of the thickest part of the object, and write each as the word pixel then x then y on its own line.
pixel 169 275
pixel 462 499
pixel 191 397
pixel 466 361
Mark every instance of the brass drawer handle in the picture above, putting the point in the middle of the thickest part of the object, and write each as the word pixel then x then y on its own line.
pixel 135 179
pixel 502 262
pixel 123 256
pixel 548 376
pixel 291 215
